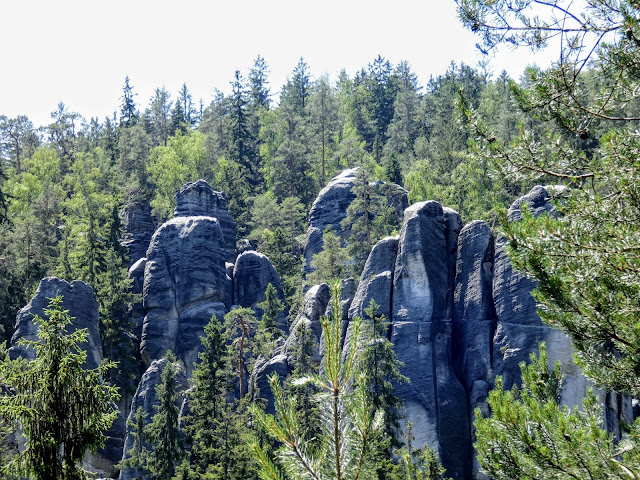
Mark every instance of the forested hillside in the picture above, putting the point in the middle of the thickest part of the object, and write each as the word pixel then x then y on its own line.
pixel 269 149
pixel 68 188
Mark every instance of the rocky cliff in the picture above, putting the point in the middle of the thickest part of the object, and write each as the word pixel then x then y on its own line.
pixel 460 314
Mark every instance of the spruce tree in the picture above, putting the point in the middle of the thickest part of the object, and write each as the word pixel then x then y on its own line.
pixel 129 114
pixel 329 265
pixel 61 407
pixel 207 399
pixel 164 434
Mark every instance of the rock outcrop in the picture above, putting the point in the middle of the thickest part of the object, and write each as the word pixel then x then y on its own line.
pixel 185 284
pixel 435 401
pixel 252 273
pixel 460 313
pixel 146 399
pixel 316 301
pixel 185 279
pixel 139 226
pixel 77 297
pixel 198 199
pixel 328 209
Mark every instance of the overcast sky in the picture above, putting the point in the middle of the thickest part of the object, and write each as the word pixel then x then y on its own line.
pixel 79 51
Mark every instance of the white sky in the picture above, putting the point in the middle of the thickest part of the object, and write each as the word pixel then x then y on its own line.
pixel 79 51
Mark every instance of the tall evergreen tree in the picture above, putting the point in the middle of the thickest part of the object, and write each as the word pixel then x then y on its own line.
pixel 61 407
pixel 259 94
pixel 129 114
pixel 164 432
pixel 159 116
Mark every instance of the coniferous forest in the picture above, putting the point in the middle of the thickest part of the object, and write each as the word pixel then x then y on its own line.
pixel 342 407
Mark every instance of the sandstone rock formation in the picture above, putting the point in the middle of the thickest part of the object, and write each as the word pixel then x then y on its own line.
pixel 252 273
pixel 197 199
pixel 146 399
pixel 79 298
pixel 435 401
pixel 139 226
pixel 330 208
pixel 185 279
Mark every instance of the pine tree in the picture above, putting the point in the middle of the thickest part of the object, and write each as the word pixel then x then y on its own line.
pixel 240 325
pixel 342 448
pixel 529 435
pixel 585 260
pixel 62 408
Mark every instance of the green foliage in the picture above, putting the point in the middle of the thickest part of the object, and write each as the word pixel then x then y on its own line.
pixel 240 325
pixel 529 435
pixel 62 408
pixel 342 448
pixel 380 367
pixel 163 432
pixel 370 216
pixel 129 114
pixel 183 160
pixel 585 257
pixel 330 264
pixel 267 331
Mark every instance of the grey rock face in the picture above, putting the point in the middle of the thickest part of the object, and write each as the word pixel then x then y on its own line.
pixel 79 298
pixel 520 330
pixel 377 279
pixel 329 208
pixel 139 226
pixel 185 284
pixel 435 401
pixel 260 378
pixel 315 304
pixel 376 283
pixel 199 199
pixel 146 399
pixel 252 273
pixel 474 316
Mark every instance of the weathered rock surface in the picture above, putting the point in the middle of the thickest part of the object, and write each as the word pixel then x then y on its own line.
pixel 376 280
pixel 328 209
pixel 197 199
pixel 185 284
pixel 139 226
pixel 316 301
pixel 146 399
pixel 252 273
pixel 79 298
pixel 519 328
pixel 474 315
pixel 262 370
pixel 435 401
